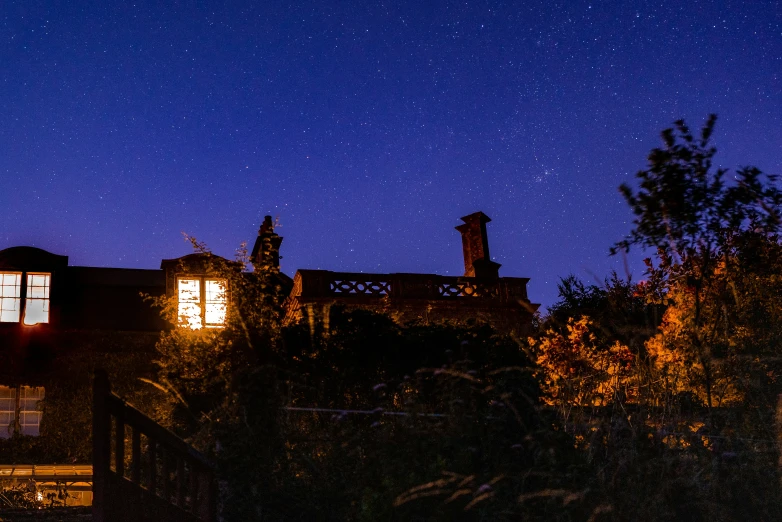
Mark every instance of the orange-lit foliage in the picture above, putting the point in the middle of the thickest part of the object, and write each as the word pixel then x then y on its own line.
pixel 577 369
pixel 687 351
pixel 722 336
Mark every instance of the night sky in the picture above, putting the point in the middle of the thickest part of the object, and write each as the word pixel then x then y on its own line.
pixel 368 128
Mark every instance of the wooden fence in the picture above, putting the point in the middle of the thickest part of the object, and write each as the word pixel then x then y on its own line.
pixel 141 471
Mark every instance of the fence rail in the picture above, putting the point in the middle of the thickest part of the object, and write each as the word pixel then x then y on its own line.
pixel 143 472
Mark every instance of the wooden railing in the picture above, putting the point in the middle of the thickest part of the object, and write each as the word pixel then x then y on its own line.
pixel 141 471
pixel 345 285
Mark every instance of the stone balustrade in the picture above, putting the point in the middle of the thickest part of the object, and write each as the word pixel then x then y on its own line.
pixel 320 284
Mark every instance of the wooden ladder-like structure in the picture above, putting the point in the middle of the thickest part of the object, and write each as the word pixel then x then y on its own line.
pixel 141 471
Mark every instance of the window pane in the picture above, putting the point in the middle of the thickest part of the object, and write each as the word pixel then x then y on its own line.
pixel 215 290
pixel 7 411
pixel 10 278
pixel 30 422
pixel 36 312
pixel 10 284
pixel 189 290
pixel 37 303
pixel 215 315
pixel 189 315
pixel 189 303
pixel 9 310
pixel 6 424
pixel 215 302
pixel 37 280
pixel 29 397
pixel 29 415
pixel 10 296
pixel 37 292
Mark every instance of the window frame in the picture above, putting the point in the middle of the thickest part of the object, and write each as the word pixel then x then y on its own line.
pixel 20 414
pixel 24 299
pixel 28 400
pixel 29 299
pixel 17 297
pixel 202 301
pixel 8 411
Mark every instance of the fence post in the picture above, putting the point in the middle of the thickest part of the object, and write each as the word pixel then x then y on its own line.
pixel 778 426
pixel 101 438
pixel 207 495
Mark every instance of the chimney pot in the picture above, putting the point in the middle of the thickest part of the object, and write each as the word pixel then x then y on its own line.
pixel 266 251
pixel 475 246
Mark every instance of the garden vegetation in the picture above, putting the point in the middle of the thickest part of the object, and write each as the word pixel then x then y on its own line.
pixel 632 400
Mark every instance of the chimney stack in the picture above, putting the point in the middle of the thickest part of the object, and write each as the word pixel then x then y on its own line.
pixel 266 251
pixel 475 245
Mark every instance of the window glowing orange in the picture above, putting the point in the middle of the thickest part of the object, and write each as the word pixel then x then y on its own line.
pixel 201 302
pixel 189 303
pixel 215 303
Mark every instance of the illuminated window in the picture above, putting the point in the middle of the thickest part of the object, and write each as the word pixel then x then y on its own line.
pixel 10 298
pixel 36 309
pixel 201 302
pixel 35 295
pixel 215 303
pixel 7 411
pixel 189 303
pixel 19 408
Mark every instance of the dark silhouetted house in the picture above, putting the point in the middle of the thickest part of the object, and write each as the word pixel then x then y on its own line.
pixel 480 294
pixel 60 322
pixel 57 323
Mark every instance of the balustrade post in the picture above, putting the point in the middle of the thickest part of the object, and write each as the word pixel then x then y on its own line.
pixel 207 508
pixel 152 475
pixel 778 422
pixel 119 444
pixel 396 288
pixel 135 470
pixel 433 286
pixel 101 440
pixel 166 475
pixel 180 482
pixel 195 501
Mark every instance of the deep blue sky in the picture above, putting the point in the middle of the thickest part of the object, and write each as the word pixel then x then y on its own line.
pixel 368 128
